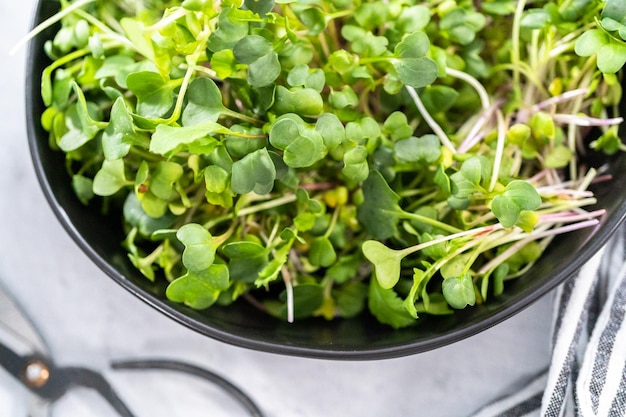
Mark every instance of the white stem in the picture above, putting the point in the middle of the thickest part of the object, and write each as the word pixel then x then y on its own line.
pixel 482 93
pixel 47 23
pixel 475 135
pixel 429 120
pixel 566 96
pixel 499 150
pixel 570 217
pixel 586 120
pixel 533 236
pixel 472 232
pixel 289 290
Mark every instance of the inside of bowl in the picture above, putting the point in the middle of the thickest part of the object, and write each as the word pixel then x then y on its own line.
pixel 100 235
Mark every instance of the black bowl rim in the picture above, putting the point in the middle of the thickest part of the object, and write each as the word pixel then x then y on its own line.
pixel 596 241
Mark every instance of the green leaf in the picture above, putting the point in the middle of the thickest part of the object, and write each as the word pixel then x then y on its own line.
pixel 199 252
pixel 151 204
pixel 110 178
pixel 229 30
pixel 263 63
pixel 364 42
pixel 378 212
pixel 397 126
pixel 301 101
pixel 224 63
pixel 251 48
pixel 615 10
pixel 243 249
pixel 346 97
pixel 162 181
pixel 254 172
pixel 307 298
pixel 456 266
pixel 559 157
pixel 523 194
pixel 322 253
pixel 371 15
pixel 83 187
pixel 355 164
pixel 136 32
pixel 417 72
pixel 590 42
pixel 80 123
pixel 302 145
pixel 332 130
pixel 271 271
pixel 346 268
pixel 198 5
pixel 439 98
pixel 155 95
pixel 536 18
pixel 612 57
pixel 414 45
pixel 264 71
pixel 120 134
pixel 217 183
pixel 466 181
pixel 204 102
pixel 284 131
pixel 261 7
pixel 386 262
pixel 168 140
pixel 518 195
pixel 199 289
pixel 413 18
pixel 461 25
pixel 314 19
pixel 459 291
pixel 146 225
pixel 387 307
pixel 246 260
pixel 420 279
pixel 425 149
pixel 499 7
pixel 351 299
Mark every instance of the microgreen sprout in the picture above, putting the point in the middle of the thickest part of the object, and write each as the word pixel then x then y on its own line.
pixel 322 158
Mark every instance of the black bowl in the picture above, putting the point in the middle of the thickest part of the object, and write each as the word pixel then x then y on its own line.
pixel 240 324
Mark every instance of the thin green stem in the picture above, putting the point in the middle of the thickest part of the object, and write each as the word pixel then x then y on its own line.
pixel 430 221
pixel 333 222
pixel 240 116
pixel 270 204
pixel 515 38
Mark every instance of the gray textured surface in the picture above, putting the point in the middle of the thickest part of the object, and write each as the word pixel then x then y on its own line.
pixel 87 319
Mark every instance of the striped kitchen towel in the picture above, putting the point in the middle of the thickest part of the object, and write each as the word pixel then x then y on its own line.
pixel 587 374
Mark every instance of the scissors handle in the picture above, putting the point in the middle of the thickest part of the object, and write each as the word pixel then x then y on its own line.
pixel 88 378
pixel 50 382
pixel 186 368
pixel 35 372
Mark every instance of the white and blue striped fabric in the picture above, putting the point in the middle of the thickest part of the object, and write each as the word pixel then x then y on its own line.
pixel 587 373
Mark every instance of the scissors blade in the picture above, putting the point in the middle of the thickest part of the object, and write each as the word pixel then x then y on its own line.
pixel 16 330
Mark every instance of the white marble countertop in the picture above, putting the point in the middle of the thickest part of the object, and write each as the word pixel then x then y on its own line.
pixel 87 319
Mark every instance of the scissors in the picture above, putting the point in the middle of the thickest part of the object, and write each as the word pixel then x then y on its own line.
pixel 23 354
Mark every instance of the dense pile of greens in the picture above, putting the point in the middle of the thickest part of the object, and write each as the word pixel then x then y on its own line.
pixel 324 157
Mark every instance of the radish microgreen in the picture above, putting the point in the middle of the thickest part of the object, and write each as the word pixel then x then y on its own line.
pixel 327 157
